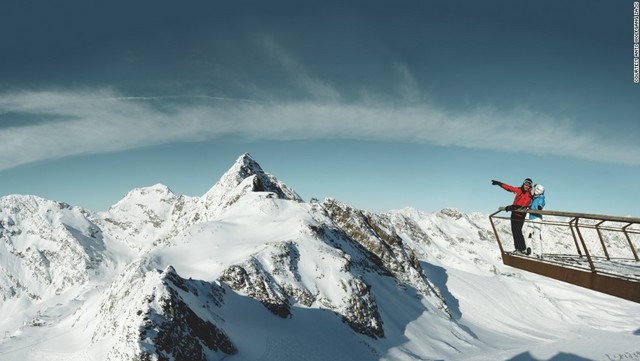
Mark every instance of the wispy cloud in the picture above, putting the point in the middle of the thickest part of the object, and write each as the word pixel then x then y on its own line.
pixel 296 72
pixel 96 121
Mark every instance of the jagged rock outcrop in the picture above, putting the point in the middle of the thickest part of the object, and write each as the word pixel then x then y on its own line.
pixel 147 311
pixel 272 278
pixel 378 235
pixel 256 283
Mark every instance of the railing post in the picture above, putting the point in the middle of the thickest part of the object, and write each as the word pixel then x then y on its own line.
pixel 586 251
pixel 624 230
pixel 495 231
pixel 573 233
pixel 604 248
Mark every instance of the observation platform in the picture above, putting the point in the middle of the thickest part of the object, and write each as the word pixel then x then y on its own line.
pixel 594 251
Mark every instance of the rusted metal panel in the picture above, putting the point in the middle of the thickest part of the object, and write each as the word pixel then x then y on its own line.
pixel 619 287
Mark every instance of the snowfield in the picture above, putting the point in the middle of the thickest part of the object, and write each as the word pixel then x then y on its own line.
pixel 251 272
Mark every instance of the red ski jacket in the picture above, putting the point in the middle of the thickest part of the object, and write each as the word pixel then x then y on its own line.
pixel 523 199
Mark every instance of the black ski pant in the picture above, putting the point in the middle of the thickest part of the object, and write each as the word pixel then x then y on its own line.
pixel 517 222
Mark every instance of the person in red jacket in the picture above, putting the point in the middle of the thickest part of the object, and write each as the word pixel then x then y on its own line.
pixel 520 202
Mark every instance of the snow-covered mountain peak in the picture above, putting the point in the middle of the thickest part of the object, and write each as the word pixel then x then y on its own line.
pixel 147 195
pixel 144 216
pixel 245 166
pixel 244 176
pixel 29 204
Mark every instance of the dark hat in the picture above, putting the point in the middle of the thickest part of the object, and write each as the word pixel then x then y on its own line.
pixel 528 181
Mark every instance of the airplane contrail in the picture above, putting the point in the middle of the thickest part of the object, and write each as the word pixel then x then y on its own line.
pixel 160 97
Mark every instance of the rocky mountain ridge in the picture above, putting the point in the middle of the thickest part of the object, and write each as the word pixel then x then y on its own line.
pixel 54 247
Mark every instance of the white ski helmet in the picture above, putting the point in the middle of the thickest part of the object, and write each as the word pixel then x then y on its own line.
pixel 538 189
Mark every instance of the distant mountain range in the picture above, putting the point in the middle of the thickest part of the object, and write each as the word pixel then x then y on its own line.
pixel 249 271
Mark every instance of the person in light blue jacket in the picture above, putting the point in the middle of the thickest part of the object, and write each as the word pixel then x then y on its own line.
pixel 535 219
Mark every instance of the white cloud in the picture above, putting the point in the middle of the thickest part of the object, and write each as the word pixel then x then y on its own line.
pixel 97 121
pixel 297 73
pixel 408 87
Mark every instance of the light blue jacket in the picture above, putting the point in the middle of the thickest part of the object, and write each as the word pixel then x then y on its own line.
pixel 537 201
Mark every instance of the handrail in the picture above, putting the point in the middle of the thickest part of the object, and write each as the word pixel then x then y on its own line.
pixel 577 215
pixel 575 227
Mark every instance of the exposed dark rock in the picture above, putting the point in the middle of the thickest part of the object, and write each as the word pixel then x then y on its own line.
pixel 257 284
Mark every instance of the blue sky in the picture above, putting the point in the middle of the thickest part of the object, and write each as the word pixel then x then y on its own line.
pixel 379 104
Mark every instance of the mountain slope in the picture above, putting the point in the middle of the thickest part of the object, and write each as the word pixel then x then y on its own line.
pixel 249 271
pixel 40 238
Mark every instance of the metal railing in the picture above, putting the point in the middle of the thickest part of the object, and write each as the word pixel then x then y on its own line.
pixel 590 250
